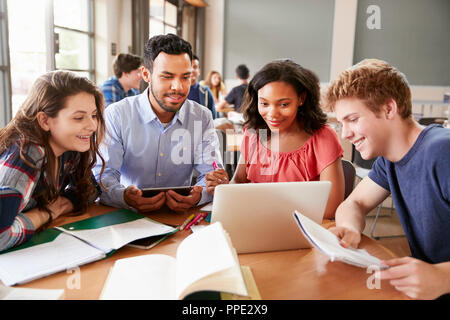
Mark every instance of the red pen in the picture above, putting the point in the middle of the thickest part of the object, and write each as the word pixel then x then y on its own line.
pixel 196 220
pixel 215 165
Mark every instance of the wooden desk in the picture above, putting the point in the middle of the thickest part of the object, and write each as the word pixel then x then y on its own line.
pixel 293 274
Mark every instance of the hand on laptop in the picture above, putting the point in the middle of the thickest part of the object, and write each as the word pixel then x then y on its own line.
pixel 214 178
pixel 133 197
pixel 177 202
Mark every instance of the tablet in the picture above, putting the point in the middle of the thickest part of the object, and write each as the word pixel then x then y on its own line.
pixel 150 242
pixel 151 192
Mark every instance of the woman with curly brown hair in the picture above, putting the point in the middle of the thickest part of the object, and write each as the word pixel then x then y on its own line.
pixel 286 137
pixel 46 155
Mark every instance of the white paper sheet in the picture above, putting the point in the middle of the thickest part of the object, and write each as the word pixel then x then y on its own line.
pixel 35 262
pixel 116 236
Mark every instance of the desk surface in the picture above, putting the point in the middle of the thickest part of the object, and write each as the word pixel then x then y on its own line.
pixel 292 274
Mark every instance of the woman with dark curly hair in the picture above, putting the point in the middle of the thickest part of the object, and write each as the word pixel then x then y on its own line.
pixel 46 155
pixel 286 137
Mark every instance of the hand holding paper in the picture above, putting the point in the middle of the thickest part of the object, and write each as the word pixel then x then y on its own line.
pixel 328 243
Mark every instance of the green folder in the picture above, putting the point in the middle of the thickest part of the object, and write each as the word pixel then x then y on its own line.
pixel 108 219
pixel 30 269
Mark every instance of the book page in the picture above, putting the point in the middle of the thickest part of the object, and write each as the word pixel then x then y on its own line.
pixel 208 255
pixel 328 243
pixel 38 261
pixel 250 283
pixel 116 236
pixel 148 277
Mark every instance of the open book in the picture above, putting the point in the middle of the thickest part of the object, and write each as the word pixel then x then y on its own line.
pixel 205 261
pixel 328 243
pixel 75 244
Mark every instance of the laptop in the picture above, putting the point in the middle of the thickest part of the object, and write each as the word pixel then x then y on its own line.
pixel 258 216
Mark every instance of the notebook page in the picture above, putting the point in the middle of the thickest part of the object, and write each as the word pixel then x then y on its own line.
pixel 328 243
pixel 148 277
pixel 38 261
pixel 9 293
pixel 204 253
pixel 116 236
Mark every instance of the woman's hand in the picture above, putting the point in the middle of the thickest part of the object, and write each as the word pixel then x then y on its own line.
pixel 214 178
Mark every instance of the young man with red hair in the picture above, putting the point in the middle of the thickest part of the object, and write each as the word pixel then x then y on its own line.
pixel 372 101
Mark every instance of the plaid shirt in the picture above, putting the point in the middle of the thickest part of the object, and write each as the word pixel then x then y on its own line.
pixel 19 183
pixel 113 91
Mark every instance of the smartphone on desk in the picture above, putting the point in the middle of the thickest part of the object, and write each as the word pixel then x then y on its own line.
pixel 151 192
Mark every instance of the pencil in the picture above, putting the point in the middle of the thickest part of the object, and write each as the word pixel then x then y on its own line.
pixel 186 221
pixel 197 219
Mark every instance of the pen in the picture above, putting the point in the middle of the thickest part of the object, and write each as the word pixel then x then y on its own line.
pixel 196 220
pixel 214 164
pixel 186 221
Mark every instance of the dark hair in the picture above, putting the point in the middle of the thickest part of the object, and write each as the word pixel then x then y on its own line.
pixel 169 43
pixel 310 115
pixel 126 62
pixel 242 71
pixel 48 94
pixel 195 57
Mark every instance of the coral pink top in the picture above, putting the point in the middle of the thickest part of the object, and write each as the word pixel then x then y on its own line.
pixel 303 164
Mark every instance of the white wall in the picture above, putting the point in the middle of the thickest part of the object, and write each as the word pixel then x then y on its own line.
pixel 214 17
pixel 344 26
pixel 112 25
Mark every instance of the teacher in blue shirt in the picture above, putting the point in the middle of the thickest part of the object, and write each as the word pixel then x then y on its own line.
pixel 158 138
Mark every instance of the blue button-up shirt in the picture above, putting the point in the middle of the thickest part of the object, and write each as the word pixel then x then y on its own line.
pixel 139 150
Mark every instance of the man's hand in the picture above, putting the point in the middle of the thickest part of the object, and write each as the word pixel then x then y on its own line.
pixel 416 278
pixel 348 237
pixel 180 203
pixel 133 197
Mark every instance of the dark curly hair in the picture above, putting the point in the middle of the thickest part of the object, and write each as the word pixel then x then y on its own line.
pixel 302 80
pixel 169 43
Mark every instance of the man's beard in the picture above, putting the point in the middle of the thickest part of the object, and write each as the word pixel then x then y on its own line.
pixel 162 104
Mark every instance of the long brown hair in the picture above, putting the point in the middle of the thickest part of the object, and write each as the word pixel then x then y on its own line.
pixel 214 89
pixel 48 94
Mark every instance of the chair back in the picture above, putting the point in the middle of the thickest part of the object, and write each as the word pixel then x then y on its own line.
pixel 359 161
pixel 430 120
pixel 349 175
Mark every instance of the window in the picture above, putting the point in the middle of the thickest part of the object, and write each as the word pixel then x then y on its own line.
pixel 74 36
pixel 48 35
pixel 163 17
pixel 5 92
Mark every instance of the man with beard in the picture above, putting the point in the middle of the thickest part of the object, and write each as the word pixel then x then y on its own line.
pixel 158 138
